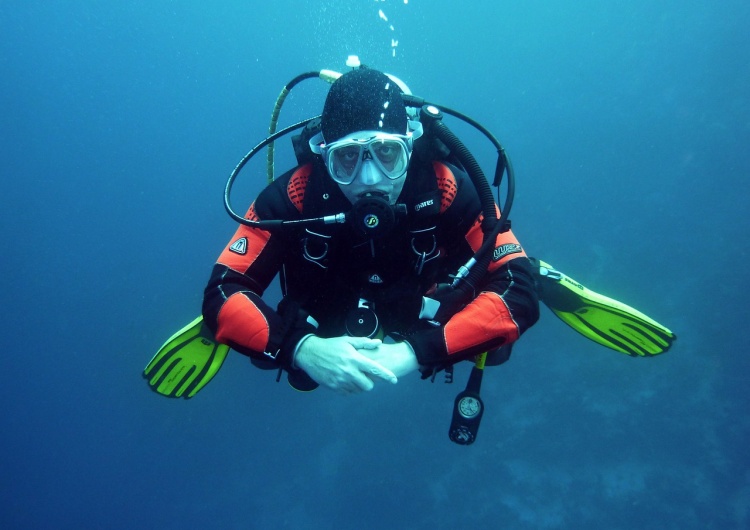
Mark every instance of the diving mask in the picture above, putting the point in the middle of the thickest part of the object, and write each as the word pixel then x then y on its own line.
pixel 390 152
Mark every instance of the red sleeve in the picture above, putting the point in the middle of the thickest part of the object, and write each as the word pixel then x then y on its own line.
pixel 505 307
pixel 487 321
pixel 233 306
pixel 488 318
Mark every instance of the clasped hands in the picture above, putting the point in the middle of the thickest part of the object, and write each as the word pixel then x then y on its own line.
pixel 352 364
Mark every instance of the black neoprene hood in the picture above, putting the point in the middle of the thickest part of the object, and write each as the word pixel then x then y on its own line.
pixel 363 100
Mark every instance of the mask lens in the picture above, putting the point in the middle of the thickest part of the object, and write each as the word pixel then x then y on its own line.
pixel 391 155
pixel 344 162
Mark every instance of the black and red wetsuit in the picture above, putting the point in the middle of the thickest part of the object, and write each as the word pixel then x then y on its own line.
pixel 326 271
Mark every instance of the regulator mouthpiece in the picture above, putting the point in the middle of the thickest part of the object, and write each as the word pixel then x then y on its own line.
pixel 373 216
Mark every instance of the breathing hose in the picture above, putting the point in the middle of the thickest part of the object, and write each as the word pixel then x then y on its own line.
pixel 326 75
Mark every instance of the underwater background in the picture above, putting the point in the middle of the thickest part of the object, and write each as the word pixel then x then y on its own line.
pixel 628 124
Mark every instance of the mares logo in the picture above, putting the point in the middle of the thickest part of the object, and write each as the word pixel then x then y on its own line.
pixel 424 204
pixel 505 250
pixel 573 283
pixel 371 221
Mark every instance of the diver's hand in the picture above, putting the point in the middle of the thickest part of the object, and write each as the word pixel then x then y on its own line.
pixel 398 357
pixel 339 364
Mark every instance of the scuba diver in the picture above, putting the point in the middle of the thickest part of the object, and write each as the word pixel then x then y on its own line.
pixel 393 257
pixel 355 307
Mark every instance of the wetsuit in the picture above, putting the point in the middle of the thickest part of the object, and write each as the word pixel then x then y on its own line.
pixel 328 272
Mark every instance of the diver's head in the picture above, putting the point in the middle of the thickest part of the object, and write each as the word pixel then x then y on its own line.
pixel 366 138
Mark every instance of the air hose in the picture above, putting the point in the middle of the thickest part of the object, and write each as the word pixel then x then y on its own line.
pixel 471 273
pixel 326 75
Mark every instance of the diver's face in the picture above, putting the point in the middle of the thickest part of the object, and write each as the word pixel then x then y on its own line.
pixel 368 162
pixel 370 179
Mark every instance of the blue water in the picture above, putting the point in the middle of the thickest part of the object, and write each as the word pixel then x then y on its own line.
pixel 628 124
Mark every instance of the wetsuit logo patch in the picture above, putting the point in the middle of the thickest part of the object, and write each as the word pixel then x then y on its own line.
pixel 239 246
pixel 505 250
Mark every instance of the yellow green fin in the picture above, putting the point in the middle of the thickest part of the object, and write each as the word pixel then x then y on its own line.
pixel 602 319
pixel 186 362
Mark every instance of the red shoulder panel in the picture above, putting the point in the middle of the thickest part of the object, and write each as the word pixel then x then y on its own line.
pixel 297 185
pixel 446 182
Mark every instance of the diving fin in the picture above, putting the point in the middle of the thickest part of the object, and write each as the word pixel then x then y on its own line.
pixel 600 318
pixel 186 362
